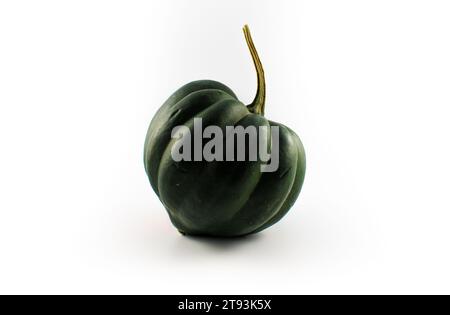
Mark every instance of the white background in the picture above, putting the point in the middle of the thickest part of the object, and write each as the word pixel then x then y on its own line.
pixel 366 85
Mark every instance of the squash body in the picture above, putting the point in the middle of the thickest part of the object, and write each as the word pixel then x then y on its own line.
pixel 219 198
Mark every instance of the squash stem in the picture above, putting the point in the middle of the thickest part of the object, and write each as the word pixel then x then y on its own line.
pixel 258 104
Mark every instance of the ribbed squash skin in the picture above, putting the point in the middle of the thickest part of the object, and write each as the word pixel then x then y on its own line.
pixel 219 198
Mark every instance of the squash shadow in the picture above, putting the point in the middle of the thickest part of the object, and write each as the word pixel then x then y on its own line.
pixel 150 234
pixel 224 243
pixel 255 247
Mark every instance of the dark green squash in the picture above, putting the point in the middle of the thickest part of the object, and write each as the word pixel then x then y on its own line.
pixel 221 198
